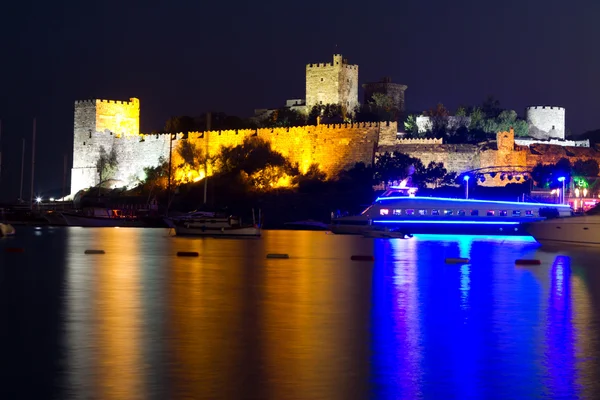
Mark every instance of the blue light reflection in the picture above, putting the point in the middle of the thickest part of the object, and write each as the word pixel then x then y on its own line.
pixel 455 331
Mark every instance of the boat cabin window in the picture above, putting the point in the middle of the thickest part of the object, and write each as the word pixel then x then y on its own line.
pixel 529 213
pixel 422 212
pixel 435 212
pixel 384 211
pixel 410 212
pixel 461 213
pixel 397 211
pixel 491 213
pixel 447 212
pixel 516 213
pixel 474 213
pixel 503 213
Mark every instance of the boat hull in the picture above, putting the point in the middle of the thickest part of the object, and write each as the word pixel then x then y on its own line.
pixel 578 231
pixel 250 231
pixel 439 229
pixel 85 221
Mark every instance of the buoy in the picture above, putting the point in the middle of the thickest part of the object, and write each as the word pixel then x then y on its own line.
pixel 94 252
pixel 187 254
pixel 457 260
pixel 275 255
pixel 15 250
pixel 528 262
pixel 362 258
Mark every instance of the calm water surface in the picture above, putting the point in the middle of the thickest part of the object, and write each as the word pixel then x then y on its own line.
pixel 140 323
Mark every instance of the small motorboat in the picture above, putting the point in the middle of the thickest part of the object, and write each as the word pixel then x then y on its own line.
pixel 6 230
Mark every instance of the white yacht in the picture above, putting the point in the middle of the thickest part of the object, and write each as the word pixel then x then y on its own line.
pixel 583 230
pixel 211 224
pixel 401 209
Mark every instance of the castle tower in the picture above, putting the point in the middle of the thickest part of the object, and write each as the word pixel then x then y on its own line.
pixel 332 83
pixel 385 86
pixel 546 122
pixel 97 123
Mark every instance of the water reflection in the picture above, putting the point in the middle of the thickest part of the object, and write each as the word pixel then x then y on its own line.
pixel 104 332
pixel 560 339
pixel 139 322
pixel 315 330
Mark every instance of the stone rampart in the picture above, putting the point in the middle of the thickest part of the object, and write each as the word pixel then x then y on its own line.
pixel 332 147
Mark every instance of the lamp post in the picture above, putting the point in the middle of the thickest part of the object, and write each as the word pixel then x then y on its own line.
pixel 466 179
pixel 562 179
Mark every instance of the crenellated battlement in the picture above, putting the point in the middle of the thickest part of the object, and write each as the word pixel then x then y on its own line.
pixel 132 102
pixel 319 65
pixel 419 141
pixel 545 108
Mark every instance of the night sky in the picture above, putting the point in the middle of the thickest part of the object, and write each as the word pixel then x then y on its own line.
pixel 185 57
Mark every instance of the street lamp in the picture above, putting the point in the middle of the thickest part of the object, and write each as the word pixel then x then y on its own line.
pixel 562 179
pixel 466 179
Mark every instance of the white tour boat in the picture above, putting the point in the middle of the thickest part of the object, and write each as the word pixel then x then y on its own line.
pixel 401 209
pixel 581 230
pixel 212 224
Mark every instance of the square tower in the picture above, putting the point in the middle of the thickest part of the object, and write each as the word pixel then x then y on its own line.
pixel 332 83
pixel 97 124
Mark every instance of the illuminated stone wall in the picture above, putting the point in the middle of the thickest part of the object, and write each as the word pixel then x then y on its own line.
pixel 332 83
pixel 115 125
pixel 333 147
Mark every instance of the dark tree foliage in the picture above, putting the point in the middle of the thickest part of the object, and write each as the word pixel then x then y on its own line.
pixel 106 164
pixel 587 168
pixel 251 156
pixel 283 117
pixel 328 113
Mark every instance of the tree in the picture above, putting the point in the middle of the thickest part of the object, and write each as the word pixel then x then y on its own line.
pixel 587 168
pixel 252 155
pixel 461 111
pixel 107 164
pixel 329 114
pixel 435 173
pixel 191 154
pixel 491 107
pixel 410 125
pixel 284 117
pixel 383 105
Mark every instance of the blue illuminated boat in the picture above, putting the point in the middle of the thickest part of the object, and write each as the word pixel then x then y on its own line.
pixel 400 209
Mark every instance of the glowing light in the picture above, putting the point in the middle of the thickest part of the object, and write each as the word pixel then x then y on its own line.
pixel 474 201
pixel 38 199
pixel 466 178
pixel 561 179
pixel 584 192
pixel 51 198
pixel 576 192
pixel 387 221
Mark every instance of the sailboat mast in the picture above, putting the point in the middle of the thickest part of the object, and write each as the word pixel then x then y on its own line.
pixel 169 185
pixel 0 150
pixel 22 169
pixel 208 117
pixel 32 160
pixel 64 185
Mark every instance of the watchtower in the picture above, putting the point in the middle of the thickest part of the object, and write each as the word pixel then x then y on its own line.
pixel 332 83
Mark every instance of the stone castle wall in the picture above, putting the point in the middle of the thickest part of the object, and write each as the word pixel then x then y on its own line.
pixel 111 125
pixel 455 157
pixel 546 122
pixel 332 83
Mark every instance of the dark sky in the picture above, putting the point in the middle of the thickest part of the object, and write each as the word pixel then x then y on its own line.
pixel 184 57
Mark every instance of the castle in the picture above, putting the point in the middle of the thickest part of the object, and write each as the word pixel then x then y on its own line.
pixel 107 125
pixel 115 125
